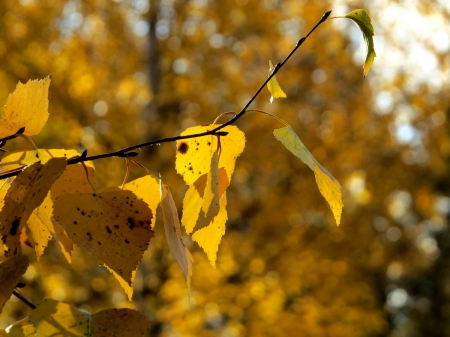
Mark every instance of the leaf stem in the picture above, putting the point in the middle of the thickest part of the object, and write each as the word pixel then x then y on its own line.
pixel 216 131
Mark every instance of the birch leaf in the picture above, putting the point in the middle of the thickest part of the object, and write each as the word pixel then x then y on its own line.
pixel 52 318
pixel 196 153
pixel 11 270
pixel 328 185
pixel 26 107
pixel 173 234
pixel 273 86
pixel 209 237
pixel 147 189
pixel 73 180
pixel 362 19
pixel 114 226
pixel 27 191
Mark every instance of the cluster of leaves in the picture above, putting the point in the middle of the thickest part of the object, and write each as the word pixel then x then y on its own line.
pixel 54 196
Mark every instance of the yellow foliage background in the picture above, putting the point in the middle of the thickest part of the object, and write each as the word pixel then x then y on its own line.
pixel 127 71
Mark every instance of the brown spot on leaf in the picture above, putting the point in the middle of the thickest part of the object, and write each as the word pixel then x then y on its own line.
pixel 183 147
pixel 14 226
pixel 108 230
pixel 131 223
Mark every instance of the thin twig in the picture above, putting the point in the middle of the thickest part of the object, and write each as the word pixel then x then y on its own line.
pixel 215 131
pixel 24 299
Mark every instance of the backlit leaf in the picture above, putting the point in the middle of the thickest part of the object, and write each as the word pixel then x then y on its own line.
pixel 273 86
pixel 11 270
pixel 328 185
pixel 196 161
pixel 147 189
pixel 52 318
pixel 26 192
pixel 209 237
pixel 330 189
pixel 362 19
pixel 114 226
pixel 173 234
pixel 26 107
pixel 73 180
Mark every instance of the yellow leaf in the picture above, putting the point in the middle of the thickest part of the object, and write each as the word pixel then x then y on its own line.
pixel 273 86
pixel 27 191
pixel 362 19
pixel 193 158
pixel 52 318
pixel 196 161
pixel 147 189
pixel 328 185
pixel 11 271
pixel 330 189
pixel 114 226
pixel 73 180
pixel 173 234
pixel 26 107
pixel 209 237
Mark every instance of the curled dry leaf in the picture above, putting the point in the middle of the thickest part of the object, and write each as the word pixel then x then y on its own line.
pixel 173 234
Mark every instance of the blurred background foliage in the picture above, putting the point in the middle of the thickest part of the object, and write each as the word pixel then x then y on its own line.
pixel 127 71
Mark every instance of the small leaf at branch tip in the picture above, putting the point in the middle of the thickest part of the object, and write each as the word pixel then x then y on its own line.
pixel 362 19
pixel 273 86
pixel 221 133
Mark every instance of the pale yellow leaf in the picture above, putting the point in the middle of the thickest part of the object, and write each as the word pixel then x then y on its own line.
pixel 328 185
pixel 26 107
pixel 273 86
pixel 27 191
pixel 173 234
pixel 52 318
pixel 114 226
pixel 330 189
pixel 11 271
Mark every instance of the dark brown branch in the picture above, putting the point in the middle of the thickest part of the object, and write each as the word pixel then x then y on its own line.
pixel 216 131
pixel 24 299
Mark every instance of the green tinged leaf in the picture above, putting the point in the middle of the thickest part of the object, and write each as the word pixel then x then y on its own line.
pixel 328 185
pixel 362 19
